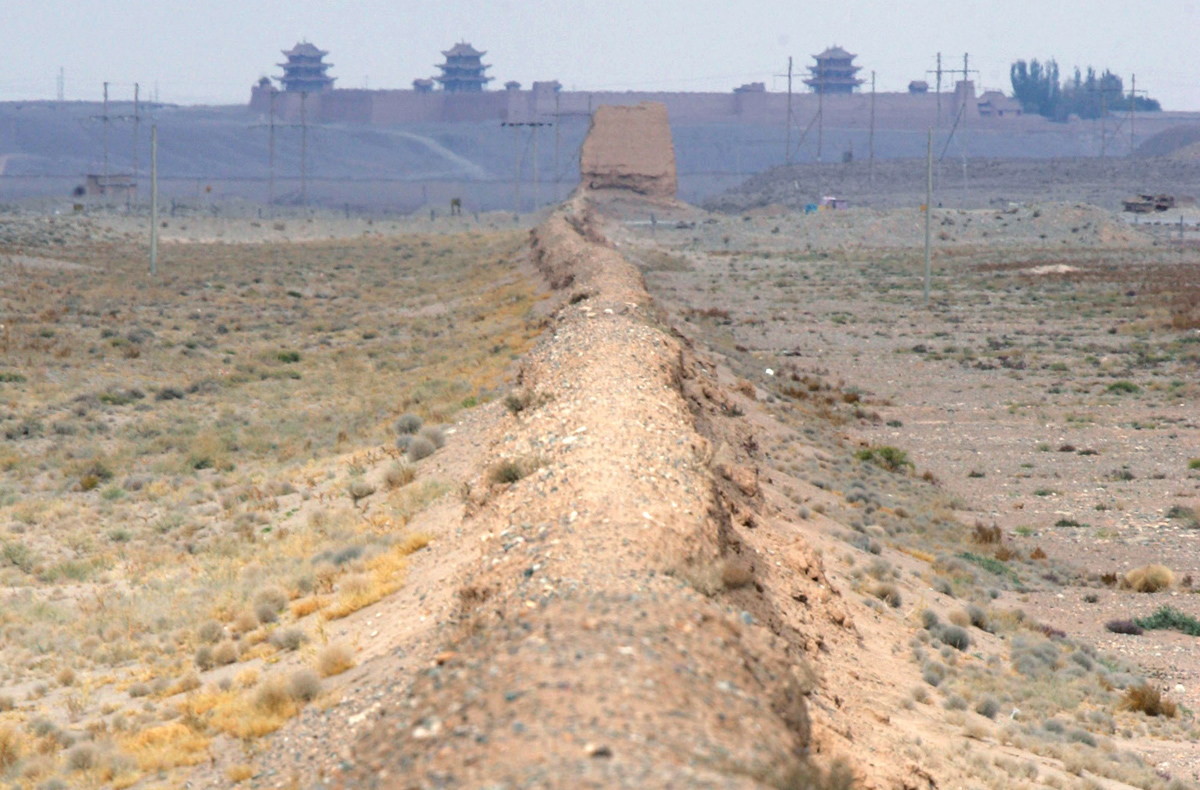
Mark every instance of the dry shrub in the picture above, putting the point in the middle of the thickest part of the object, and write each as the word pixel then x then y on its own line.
pixel 272 698
pixel 81 757
pixel 434 435
pixel 334 659
pixel 1148 700
pixel 243 622
pixel 359 489
pixel 12 746
pixel 288 638
pixel 419 448
pixel 986 535
pixel 960 618
pixel 888 593
pixel 1149 579
pixel 1004 553
pixel 204 658
pixel 245 716
pixel 210 632
pixel 239 773
pixel 1108 579
pixel 383 577
pixel 225 654
pixel 66 677
pixel 189 682
pixel 735 573
pixel 303 607
pixel 398 476
pixel 1037 554
pixel 304 685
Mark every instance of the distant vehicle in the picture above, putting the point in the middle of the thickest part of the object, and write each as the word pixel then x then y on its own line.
pixel 1147 204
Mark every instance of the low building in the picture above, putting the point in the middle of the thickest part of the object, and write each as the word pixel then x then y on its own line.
pixel 994 104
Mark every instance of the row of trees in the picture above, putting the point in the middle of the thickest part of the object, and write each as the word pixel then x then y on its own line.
pixel 1088 95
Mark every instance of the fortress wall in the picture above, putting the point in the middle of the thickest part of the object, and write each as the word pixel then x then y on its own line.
pixel 346 106
pixel 391 108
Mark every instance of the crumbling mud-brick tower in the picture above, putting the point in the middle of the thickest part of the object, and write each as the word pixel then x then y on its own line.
pixel 630 147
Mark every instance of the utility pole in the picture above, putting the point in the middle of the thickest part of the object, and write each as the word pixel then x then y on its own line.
pixel 966 79
pixel 517 175
pixel 104 118
pixel 938 72
pixel 137 120
pixel 788 150
pixel 153 199
pixel 556 145
pixel 1103 122
pixel 871 170
pixel 1132 107
pixel 304 148
pixel 928 209
pixel 62 85
pixel 820 109
pixel 271 155
pixel 537 192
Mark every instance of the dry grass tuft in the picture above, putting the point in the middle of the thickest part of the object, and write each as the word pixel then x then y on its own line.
pixel 12 747
pixel 1149 579
pixel 239 773
pixel 399 475
pixel 334 659
pixel 167 746
pixel 385 575
pixel 736 572
pixel 303 607
pixel 985 535
pixel 304 685
pixel 1148 700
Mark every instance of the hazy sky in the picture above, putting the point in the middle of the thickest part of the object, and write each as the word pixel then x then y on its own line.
pixel 212 50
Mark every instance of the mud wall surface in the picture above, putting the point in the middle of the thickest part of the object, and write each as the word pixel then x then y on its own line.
pixel 630 148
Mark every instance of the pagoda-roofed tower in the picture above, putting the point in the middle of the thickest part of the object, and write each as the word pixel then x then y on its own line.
pixel 834 73
pixel 304 71
pixel 463 70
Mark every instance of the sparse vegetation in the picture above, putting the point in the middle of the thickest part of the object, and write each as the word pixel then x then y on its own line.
pixel 192 530
pixel 886 457
pixel 334 659
pixel 1148 579
pixel 1128 627
pixel 1148 700
pixel 1171 619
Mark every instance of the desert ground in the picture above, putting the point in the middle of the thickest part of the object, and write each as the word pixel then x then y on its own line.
pixel 704 500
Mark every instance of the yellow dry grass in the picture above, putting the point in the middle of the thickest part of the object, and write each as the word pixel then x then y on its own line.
pixel 385 577
pixel 166 746
pixel 200 426
pixel 303 607
pixel 239 773
pixel 1149 579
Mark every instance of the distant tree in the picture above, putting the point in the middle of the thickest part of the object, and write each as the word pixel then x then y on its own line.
pixel 1036 86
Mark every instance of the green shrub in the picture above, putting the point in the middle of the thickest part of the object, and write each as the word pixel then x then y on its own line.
pixel 288 357
pixel 1170 619
pixel 893 459
pixel 1123 388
